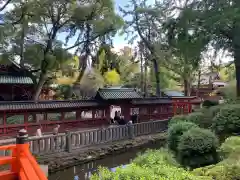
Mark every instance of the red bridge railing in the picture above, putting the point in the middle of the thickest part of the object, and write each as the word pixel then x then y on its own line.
pixel 23 165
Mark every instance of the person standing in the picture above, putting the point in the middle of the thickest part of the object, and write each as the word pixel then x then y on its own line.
pixel 39 135
pixel 39 131
pixel 134 118
pixel 55 133
pixel 117 117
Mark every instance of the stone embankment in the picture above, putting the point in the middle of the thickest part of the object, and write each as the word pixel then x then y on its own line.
pixel 63 160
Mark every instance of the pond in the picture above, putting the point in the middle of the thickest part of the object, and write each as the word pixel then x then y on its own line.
pixel 83 172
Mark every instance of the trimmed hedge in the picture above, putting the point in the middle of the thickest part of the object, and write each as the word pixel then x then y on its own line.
pixel 177 118
pixel 175 131
pixel 230 147
pixel 198 118
pixel 227 120
pixel 158 165
pixel 228 169
pixel 156 157
pixel 198 147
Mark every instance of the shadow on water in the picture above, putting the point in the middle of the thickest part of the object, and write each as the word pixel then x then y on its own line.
pixel 111 161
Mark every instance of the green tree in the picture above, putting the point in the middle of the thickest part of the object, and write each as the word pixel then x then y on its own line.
pixel 219 21
pixel 40 47
pixel 145 22
pixel 187 43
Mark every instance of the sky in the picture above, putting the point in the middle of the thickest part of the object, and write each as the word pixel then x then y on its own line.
pixel 119 41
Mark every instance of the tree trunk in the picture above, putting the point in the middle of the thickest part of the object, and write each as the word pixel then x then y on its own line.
pixel 156 71
pixel 198 83
pixel 236 53
pixel 237 66
pixel 142 76
pixel 39 86
pixel 145 80
pixel 186 87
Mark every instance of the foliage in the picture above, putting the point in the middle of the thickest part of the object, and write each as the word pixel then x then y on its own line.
pixel 202 119
pixel 230 146
pixel 35 38
pixel 175 131
pixel 197 147
pixel 213 25
pixel 227 73
pixel 214 110
pixel 209 103
pixel 112 77
pixel 178 118
pixel 155 157
pixel 227 169
pixel 157 164
pixel 227 121
pixel 228 92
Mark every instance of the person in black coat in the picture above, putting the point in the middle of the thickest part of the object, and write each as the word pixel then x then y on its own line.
pixel 117 117
pixel 134 118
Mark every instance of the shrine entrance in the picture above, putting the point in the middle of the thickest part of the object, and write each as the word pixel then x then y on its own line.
pixel 119 99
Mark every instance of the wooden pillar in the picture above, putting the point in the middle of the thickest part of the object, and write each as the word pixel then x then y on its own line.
pixel 189 107
pixel 174 108
pixel 107 114
pixel 78 114
pixel 25 120
pixel 126 111
pixel 4 122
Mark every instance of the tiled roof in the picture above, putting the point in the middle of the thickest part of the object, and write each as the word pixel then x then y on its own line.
pixel 118 93
pixel 26 105
pixel 15 80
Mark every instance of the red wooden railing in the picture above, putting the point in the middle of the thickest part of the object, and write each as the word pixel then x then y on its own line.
pixel 23 165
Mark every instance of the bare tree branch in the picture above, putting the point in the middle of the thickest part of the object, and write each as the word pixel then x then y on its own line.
pixel 5 5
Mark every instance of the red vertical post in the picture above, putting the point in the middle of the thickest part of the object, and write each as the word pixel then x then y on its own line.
pixel 174 108
pixel 126 112
pixel 21 146
pixel 107 114
pixel 189 107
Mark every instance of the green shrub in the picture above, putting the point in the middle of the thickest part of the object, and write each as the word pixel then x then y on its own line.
pixel 134 172
pixel 209 103
pixel 196 117
pixel 156 157
pixel 227 121
pixel 201 118
pixel 164 168
pixel 177 118
pixel 197 147
pixel 175 131
pixel 231 146
pixel 228 169
pixel 214 110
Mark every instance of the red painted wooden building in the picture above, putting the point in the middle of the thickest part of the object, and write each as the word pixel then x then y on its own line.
pixel 15 83
pixel 78 114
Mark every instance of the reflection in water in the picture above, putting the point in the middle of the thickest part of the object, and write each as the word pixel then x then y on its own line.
pixel 83 172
